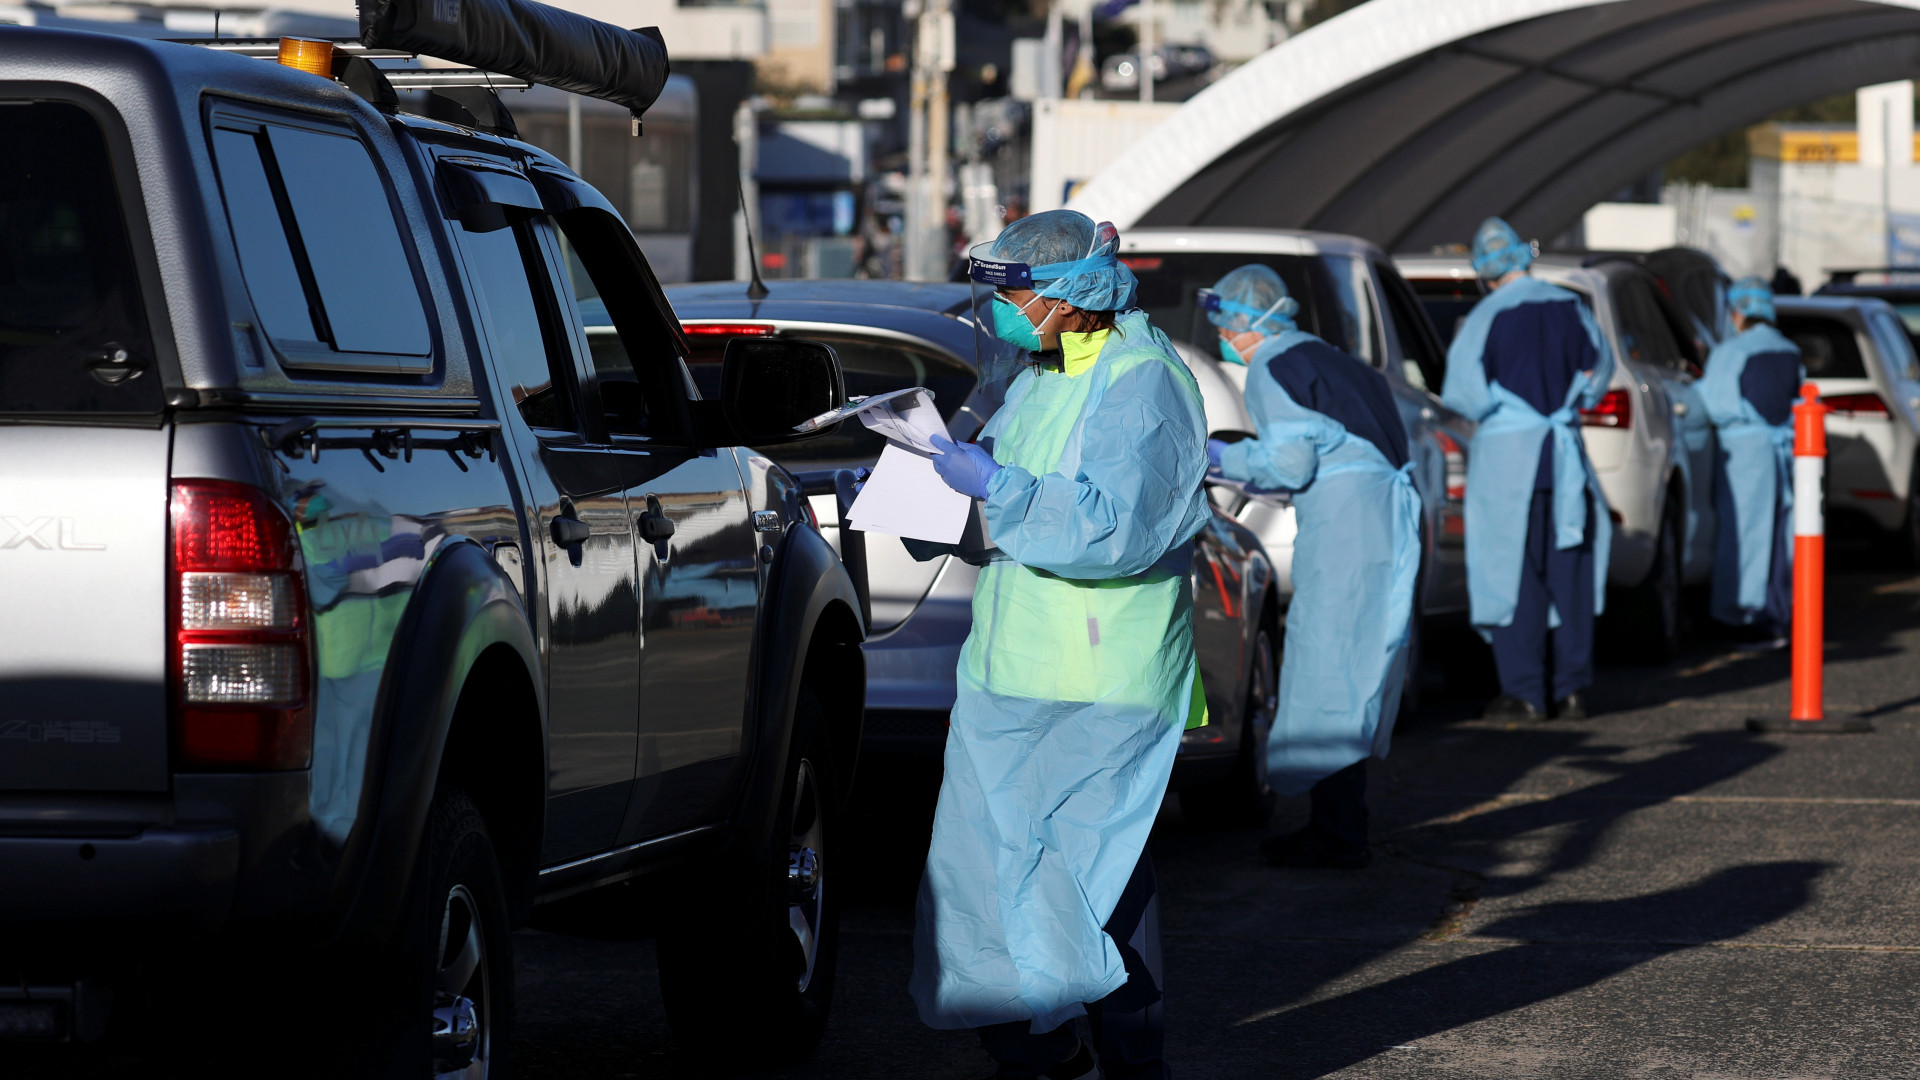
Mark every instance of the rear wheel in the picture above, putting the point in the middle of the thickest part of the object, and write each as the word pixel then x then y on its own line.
pixel 1242 798
pixel 758 944
pixel 1907 540
pixel 1649 619
pixel 439 1001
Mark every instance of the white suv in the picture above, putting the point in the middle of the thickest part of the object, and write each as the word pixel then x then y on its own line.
pixel 1857 352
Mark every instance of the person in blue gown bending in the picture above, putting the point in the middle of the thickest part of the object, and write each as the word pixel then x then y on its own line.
pixel 1751 382
pixel 1524 362
pixel 1330 433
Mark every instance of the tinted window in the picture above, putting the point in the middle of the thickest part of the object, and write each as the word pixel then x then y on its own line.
pixel 353 244
pixel 1890 337
pixel 260 236
pixel 1169 284
pixel 503 266
pixel 320 249
pixel 1420 355
pixel 1827 346
pixel 68 291
pixel 1909 313
pixel 1448 301
pixel 636 360
pixel 1351 288
pixel 1644 334
pixel 869 367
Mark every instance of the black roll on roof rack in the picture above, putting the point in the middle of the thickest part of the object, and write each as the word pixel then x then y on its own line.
pixel 526 40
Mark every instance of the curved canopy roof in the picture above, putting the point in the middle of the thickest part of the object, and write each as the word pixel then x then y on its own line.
pixel 1408 121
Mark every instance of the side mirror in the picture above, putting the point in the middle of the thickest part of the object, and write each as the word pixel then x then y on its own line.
pixel 770 385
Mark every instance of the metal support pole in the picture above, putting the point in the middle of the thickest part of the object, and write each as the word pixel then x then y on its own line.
pixel 913 244
pixel 939 141
pixel 576 142
pixel 1146 51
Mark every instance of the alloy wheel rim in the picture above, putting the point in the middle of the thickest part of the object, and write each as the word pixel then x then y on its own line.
pixel 806 888
pixel 462 1005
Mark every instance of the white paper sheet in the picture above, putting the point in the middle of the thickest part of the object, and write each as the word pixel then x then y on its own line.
pixel 906 497
pixel 906 418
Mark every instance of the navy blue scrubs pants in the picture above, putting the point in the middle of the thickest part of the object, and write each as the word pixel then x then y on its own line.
pixel 1129 1032
pixel 1531 660
pixel 1339 806
pixel 1778 618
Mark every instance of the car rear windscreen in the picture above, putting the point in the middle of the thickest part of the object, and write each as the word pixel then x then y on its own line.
pixel 1447 300
pixel 73 331
pixel 1828 347
pixel 869 366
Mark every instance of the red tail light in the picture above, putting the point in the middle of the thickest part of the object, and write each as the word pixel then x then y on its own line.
pixel 1456 463
pixel 1615 411
pixel 726 329
pixel 238 621
pixel 1856 404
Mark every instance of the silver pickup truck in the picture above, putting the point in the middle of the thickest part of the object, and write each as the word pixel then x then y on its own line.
pixel 360 610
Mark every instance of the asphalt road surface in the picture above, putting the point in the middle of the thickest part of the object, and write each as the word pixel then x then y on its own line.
pixel 1649 893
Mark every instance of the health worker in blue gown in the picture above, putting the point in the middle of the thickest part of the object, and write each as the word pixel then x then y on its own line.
pixel 1329 432
pixel 1079 675
pixel 1750 386
pixel 1525 361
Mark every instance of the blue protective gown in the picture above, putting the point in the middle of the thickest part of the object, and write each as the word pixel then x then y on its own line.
pixel 1749 388
pixel 1506 460
pixel 1355 561
pixel 1073 688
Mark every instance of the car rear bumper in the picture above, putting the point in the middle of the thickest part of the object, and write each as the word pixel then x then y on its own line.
pixel 167 875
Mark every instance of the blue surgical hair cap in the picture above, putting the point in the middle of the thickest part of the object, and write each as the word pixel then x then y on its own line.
pixel 1072 257
pixel 1498 250
pixel 1252 297
pixel 1752 297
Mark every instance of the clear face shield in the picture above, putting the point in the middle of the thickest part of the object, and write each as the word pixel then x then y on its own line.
pixel 996 319
pixel 1210 309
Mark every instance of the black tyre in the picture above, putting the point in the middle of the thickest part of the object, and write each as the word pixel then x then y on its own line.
pixel 471 950
pixel 1648 622
pixel 439 1000
pixel 1906 542
pixel 1242 798
pixel 752 947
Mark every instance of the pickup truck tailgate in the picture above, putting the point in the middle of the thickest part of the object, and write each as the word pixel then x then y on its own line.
pixel 83 561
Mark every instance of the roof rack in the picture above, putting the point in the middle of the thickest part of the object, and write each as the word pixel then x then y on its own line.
pixel 504 45
pixel 433 78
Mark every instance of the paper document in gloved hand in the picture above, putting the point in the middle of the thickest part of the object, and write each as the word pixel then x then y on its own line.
pixel 905 495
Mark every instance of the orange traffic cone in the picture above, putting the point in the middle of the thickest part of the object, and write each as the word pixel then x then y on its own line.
pixel 1808 714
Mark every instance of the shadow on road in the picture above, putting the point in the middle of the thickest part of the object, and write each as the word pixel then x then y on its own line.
pixel 1322 1036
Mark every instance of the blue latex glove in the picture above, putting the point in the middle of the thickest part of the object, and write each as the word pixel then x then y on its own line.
pixel 964 466
pixel 1215 447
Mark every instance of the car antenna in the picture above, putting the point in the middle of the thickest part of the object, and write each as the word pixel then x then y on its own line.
pixel 756 289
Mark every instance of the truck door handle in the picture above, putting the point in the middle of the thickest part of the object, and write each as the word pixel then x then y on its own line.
pixel 568 531
pixel 655 527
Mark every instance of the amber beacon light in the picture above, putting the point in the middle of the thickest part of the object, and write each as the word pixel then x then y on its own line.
pixel 308 55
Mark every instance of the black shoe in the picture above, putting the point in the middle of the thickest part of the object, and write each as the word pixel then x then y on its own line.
pixel 1075 1067
pixel 1508 707
pixel 1309 850
pixel 1571 707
